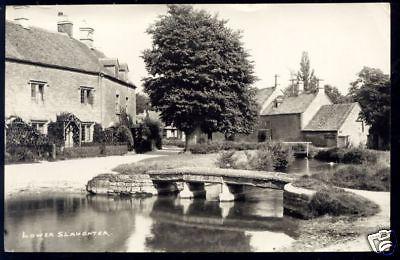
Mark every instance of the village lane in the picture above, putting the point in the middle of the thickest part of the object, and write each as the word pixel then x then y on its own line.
pixel 64 176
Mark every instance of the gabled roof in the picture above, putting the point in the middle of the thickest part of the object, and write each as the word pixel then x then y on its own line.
pixel 330 117
pixel 263 94
pixel 291 105
pixel 37 45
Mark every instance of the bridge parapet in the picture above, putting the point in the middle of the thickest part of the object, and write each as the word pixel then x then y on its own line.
pixel 274 180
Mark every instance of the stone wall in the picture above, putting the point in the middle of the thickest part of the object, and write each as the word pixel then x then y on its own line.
pixel 284 127
pixel 321 138
pixel 62 94
pixel 121 184
pixel 296 201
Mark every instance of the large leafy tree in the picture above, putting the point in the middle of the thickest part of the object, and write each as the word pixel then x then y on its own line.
pixel 372 91
pixel 200 74
pixel 334 95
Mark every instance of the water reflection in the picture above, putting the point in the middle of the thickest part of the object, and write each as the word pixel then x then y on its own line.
pixel 309 166
pixel 164 223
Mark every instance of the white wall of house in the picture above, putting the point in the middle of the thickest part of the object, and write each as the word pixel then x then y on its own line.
pixel 356 130
pixel 321 99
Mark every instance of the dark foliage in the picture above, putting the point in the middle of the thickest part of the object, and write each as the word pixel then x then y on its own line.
pixel 347 155
pixel 335 201
pixel 24 143
pixel 200 74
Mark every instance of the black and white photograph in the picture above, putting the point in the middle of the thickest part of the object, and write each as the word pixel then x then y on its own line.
pixel 198 128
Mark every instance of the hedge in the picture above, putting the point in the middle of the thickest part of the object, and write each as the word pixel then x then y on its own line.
pixel 92 151
pixel 346 155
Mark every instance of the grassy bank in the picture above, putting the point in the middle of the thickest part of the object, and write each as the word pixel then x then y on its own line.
pixel 169 162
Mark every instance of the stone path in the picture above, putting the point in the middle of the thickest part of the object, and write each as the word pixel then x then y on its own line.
pixel 69 175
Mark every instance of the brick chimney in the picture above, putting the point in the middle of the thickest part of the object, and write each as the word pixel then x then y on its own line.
pixel 123 71
pixel 64 25
pixel 86 34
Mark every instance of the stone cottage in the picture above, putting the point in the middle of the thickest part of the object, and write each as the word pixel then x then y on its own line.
pixel 48 73
pixel 284 118
pixel 312 117
pixel 337 125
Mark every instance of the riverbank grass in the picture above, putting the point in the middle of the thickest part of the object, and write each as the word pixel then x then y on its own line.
pixel 169 162
pixel 334 201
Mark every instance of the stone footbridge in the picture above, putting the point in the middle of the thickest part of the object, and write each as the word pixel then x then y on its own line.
pixel 189 182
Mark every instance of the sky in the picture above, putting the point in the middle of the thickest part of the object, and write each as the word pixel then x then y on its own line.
pixel 340 38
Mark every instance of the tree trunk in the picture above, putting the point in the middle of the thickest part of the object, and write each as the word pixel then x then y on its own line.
pixel 187 137
pixel 209 136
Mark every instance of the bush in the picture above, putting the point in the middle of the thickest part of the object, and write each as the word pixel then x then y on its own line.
pixel 92 151
pixel 282 155
pixel 214 147
pixel 269 157
pixel 55 133
pixel 225 159
pixel 98 134
pixel 363 177
pixel 205 148
pixel 174 141
pixel 262 161
pixel 344 155
pixel 383 176
pixel 155 134
pixel 124 135
pixel 24 143
pixel 335 201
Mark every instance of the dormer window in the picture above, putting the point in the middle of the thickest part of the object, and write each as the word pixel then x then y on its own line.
pixel 37 90
pixel 87 96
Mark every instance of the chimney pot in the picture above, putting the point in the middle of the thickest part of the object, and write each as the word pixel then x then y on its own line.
pixel 64 25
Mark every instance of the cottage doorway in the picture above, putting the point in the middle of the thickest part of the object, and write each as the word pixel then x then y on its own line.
pixel 69 137
pixel 72 128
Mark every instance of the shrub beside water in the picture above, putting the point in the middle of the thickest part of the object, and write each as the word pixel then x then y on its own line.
pixel 346 155
pixel 335 201
pixel 269 157
pixel 362 177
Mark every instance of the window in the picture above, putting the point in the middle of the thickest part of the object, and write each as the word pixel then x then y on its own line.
pixel 117 107
pixel 87 96
pixel 40 126
pixel 37 90
pixel 126 103
pixel 87 135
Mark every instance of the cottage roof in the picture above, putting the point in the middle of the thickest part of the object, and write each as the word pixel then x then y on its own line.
pixel 330 117
pixel 291 105
pixel 51 48
pixel 263 94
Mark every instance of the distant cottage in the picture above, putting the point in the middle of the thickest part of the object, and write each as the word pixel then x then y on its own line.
pixel 309 117
pixel 49 73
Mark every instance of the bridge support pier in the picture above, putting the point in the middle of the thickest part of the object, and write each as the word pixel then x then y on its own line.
pixel 166 187
pixel 230 192
pixel 226 208
pixel 192 190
